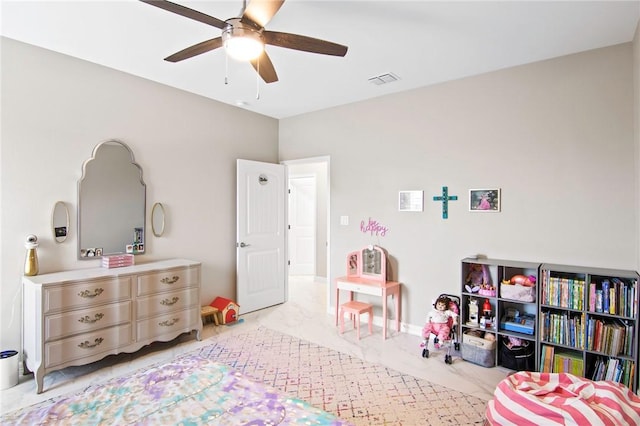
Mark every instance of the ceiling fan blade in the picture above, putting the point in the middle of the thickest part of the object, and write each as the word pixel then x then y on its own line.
pixel 265 68
pixel 189 13
pixel 195 50
pixel 261 11
pixel 304 43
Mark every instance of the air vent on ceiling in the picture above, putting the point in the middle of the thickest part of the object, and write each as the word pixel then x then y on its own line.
pixel 383 79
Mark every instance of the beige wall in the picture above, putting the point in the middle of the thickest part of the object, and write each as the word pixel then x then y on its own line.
pixel 55 109
pixel 556 136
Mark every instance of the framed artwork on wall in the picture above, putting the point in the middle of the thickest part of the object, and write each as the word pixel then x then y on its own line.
pixel 484 200
pixel 410 201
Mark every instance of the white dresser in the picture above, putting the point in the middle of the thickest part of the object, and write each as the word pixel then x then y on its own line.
pixel 78 317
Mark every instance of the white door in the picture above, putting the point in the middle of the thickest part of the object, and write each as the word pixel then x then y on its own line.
pixel 260 232
pixel 302 225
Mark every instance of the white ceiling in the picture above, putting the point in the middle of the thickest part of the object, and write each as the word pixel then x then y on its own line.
pixel 422 42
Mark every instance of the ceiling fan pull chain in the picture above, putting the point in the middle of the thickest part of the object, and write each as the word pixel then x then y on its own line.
pixel 226 68
pixel 258 81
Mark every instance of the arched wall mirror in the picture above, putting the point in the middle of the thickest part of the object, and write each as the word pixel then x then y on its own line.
pixel 157 219
pixel 60 221
pixel 111 203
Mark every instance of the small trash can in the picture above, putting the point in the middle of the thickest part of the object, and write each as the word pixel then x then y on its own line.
pixel 8 369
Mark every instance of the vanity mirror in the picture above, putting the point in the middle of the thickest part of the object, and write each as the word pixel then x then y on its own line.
pixel 60 221
pixel 372 262
pixel 111 202
pixel 369 263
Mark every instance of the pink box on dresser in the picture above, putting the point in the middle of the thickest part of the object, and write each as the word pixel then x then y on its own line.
pixel 118 261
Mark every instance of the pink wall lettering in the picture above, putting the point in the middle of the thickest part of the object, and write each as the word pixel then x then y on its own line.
pixel 373 227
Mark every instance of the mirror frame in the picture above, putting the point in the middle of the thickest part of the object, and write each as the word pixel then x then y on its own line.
pixel 60 233
pixel 157 213
pixel 99 251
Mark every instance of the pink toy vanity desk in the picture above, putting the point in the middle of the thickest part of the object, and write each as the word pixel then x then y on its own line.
pixel 367 274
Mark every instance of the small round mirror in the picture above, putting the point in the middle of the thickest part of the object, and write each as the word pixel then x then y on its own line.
pixel 157 219
pixel 60 221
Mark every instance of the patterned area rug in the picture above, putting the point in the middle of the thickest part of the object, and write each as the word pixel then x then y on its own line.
pixel 354 390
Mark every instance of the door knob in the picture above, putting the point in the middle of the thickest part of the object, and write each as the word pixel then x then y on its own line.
pixel 244 245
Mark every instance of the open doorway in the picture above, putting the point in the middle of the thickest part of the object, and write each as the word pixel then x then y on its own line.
pixel 302 224
pixel 308 219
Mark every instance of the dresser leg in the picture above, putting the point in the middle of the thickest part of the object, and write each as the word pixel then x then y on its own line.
pixel 39 377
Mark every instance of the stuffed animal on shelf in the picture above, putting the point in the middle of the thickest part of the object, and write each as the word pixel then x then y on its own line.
pixel 439 321
pixel 527 281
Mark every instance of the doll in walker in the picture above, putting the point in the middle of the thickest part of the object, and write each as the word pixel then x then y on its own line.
pixel 439 322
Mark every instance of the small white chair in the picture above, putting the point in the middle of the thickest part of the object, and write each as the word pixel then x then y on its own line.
pixel 355 309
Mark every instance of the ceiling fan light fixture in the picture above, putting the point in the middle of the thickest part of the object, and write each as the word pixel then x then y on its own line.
pixel 242 43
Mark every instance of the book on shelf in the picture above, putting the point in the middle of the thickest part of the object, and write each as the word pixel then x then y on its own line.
pixel 546 359
pixel 615 297
pixel 605 296
pixel 598 370
pixel 562 328
pixel 612 301
pixel 615 370
pixel 565 362
pixel 563 292
pixel 612 337
pixel 612 366
pixel 592 297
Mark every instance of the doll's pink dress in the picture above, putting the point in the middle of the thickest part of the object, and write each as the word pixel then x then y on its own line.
pixel 439 323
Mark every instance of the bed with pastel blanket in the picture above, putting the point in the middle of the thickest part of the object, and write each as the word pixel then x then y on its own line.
pixel 528 398
pixel 190 390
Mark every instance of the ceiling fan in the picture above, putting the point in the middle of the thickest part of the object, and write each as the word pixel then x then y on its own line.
pixel 247 35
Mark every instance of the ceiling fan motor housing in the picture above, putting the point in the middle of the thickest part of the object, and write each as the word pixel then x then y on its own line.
pixel 242 41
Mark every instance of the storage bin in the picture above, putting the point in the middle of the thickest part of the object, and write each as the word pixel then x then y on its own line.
pixel 518 292
pixel 479 342
pixel 518 358
pixel 478 350
pixel 8 369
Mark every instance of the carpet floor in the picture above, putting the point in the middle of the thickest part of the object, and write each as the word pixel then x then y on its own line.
pixel 354 390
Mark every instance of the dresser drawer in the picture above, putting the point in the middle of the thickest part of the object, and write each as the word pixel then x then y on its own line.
pixel 172 322
pixel 86 320
pixel 76 295
pixel 86 345
pixel 167 280
pixel 166 302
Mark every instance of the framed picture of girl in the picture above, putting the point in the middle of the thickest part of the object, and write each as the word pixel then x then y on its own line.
pixel 484 200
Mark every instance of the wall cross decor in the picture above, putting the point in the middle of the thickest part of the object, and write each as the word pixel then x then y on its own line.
pixel 445 198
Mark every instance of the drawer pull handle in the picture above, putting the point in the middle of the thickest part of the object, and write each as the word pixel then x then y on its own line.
pixel 168 323
pixel 168 302
pixel 88 320
pixel 87 345
pixel 171 280
pixel 88 294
